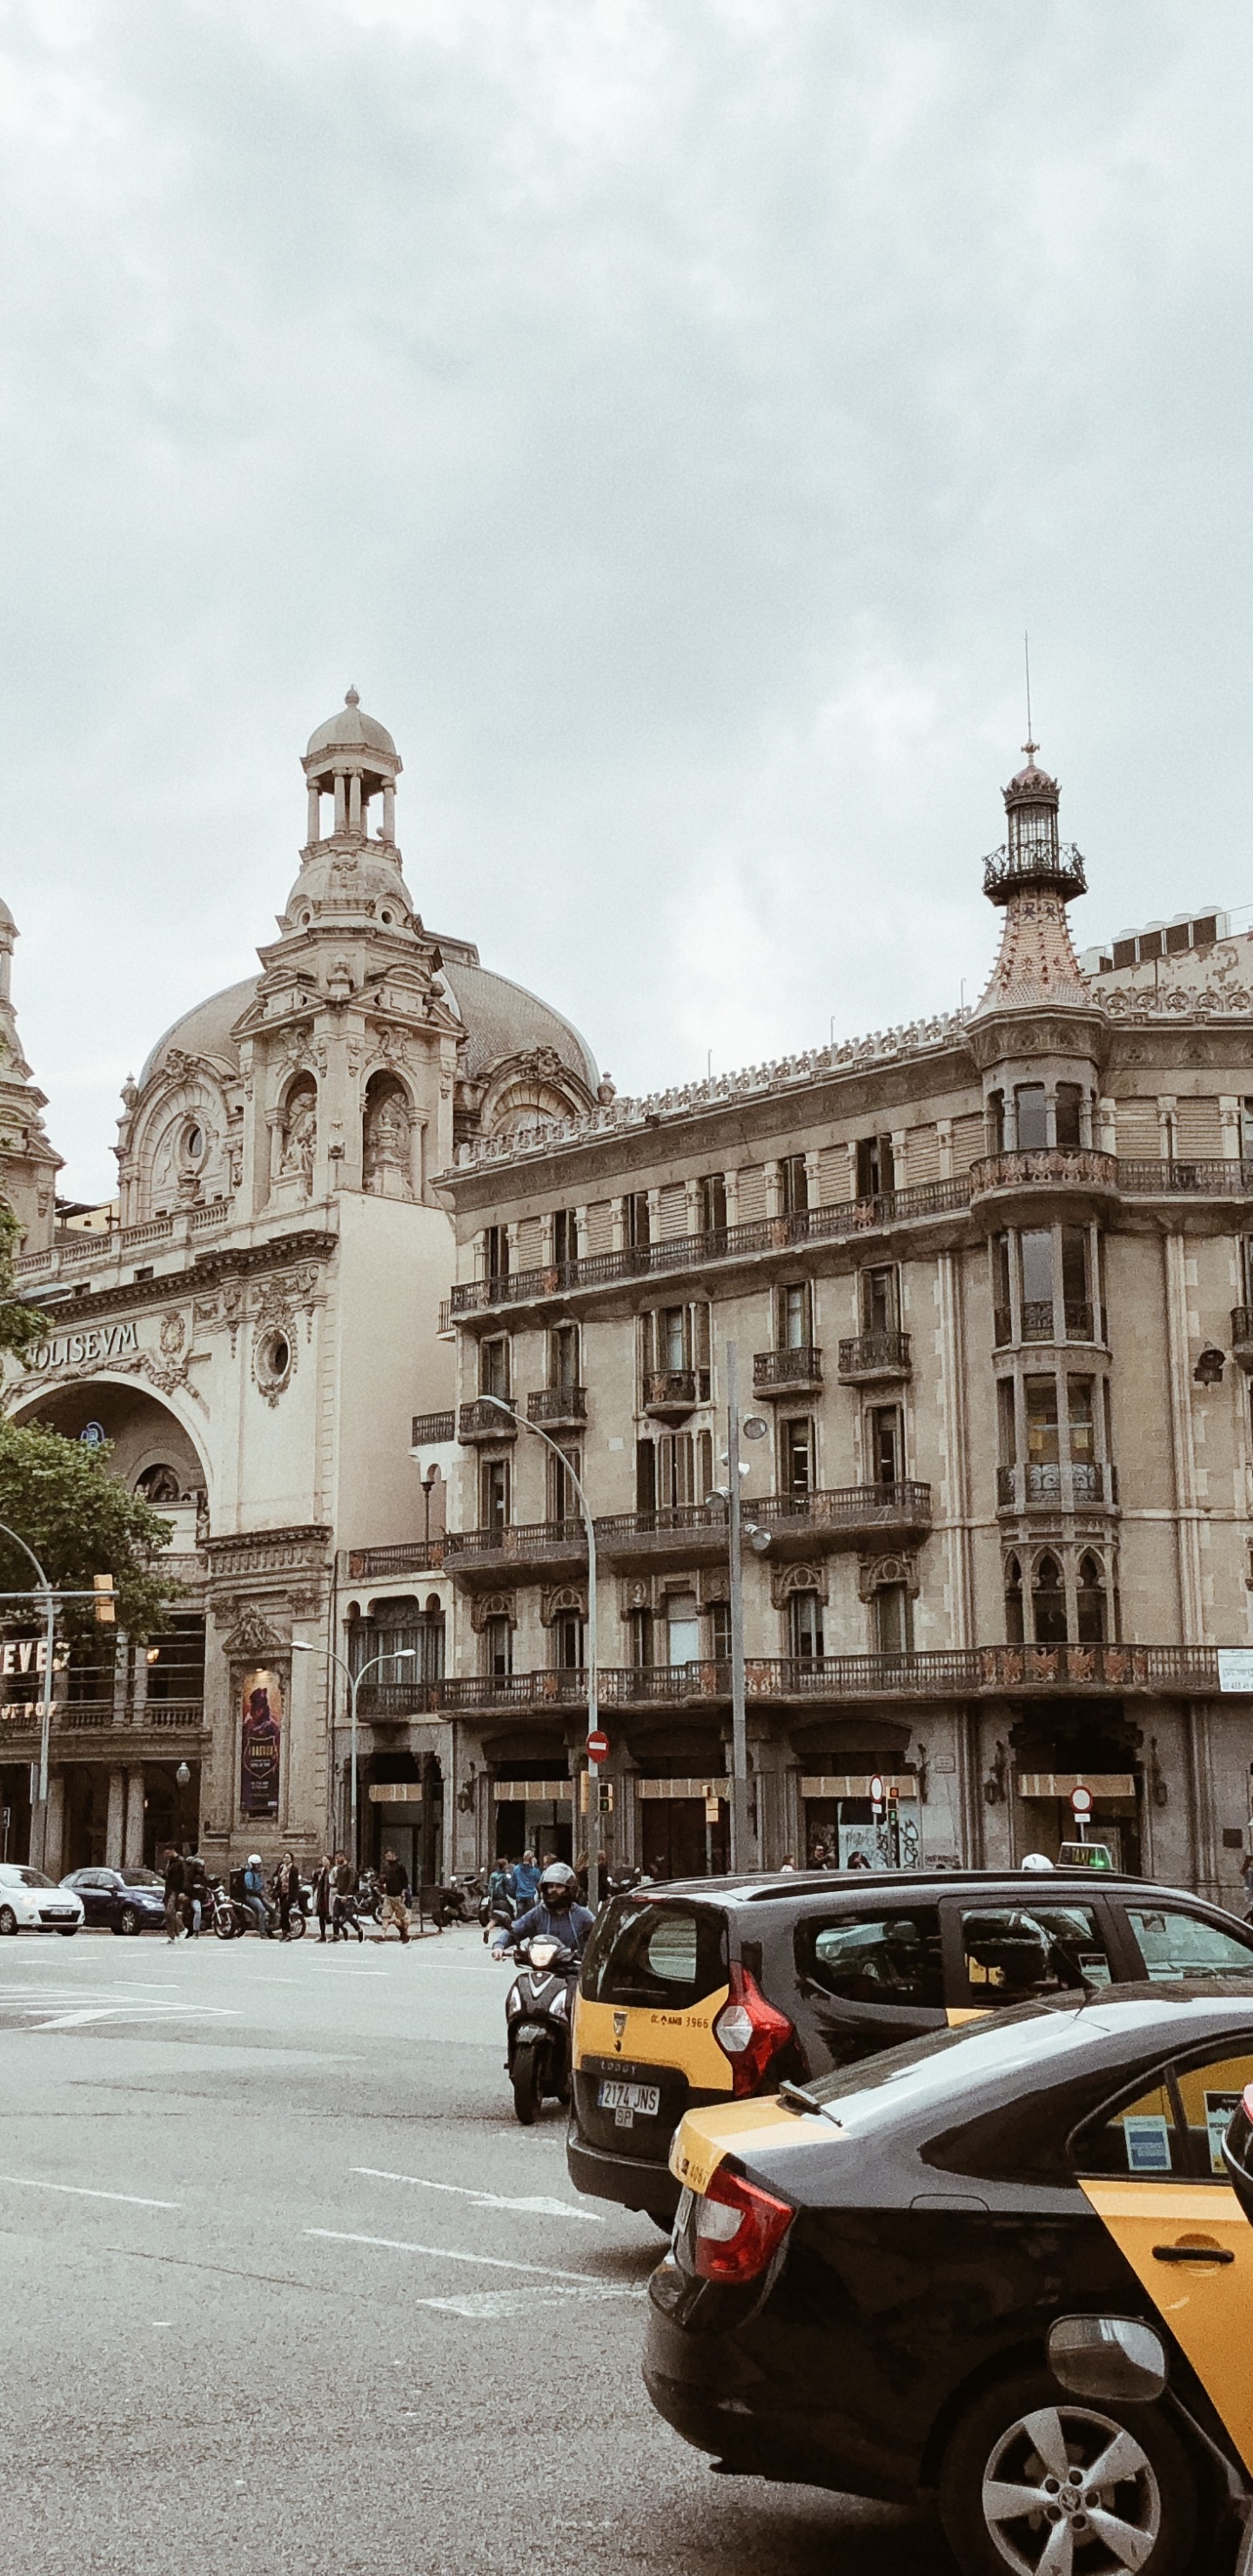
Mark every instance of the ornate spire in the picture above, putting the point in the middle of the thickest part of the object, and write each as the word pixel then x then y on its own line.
pixel 1033 877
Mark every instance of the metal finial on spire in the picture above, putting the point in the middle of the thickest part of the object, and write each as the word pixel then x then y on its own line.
pixel 351 698
pixel 1030 746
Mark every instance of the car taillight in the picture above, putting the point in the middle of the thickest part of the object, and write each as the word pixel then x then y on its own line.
pixel 739 2228
pixel 751 2032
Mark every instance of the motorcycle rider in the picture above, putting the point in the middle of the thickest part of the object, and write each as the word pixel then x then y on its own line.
pixel 252 1894
pixel 555 1915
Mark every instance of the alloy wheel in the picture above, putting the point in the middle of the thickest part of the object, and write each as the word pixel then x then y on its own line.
pixel 8 1919
pixel 1069 2492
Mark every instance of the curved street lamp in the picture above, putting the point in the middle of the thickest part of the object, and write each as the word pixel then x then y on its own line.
pixel 50 1631
pixel 403 1655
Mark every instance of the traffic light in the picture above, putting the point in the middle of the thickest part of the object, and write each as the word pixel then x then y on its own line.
pixel 106 1611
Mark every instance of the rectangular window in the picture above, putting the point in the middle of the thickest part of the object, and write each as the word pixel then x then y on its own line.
pixel 875 1166
pixel 1036 1246
pixel 881 1299
pixel 1043 1449
pixel 892 1960
pixel 712 1197
pixel 1086 1474
pixel 563 1355
pixel 805 1616
pixel 996 1122
pixel 1002 1311
pixel 497 1646
pixel 1031 1117
pixel 565 1235
pixel 1075 1283
pixel 1018 1953
pixel 794 1184
pixel 675 1469
pixel 1007 1422
pixel 496 1251
pixel 720 1631
pixel 672 1349
pixel 891 1619
pixel 637 1221
pixel 883 1424
pixel 793 1317
pixel 640 1630
pixel 682 1629
pixel 494 1365
pixel 568 1642
pixel 562 1493
pixel 1246 1129
pixel 796 1447
pixel 494 1494
pixel 645 1475
pixel 1173 1944
pixel 1068 1112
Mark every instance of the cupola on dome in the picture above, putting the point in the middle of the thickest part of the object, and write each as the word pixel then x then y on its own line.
pixel 350 729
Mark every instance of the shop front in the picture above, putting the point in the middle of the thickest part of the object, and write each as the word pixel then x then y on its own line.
pixel 534 1815
pixel 844 1828
pixel 1068 1747
pixel 683 1827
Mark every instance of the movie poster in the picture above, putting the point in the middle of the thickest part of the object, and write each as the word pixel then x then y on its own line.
pixel 261 1744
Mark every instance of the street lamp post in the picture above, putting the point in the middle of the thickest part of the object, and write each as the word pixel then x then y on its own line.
pixel 403 1655
pixel 50 1630
pixel 593 1669
pixel 753 1428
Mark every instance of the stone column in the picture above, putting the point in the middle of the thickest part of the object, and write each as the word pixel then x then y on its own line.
pixel 389 810
pixel 54 1837
pixel 315 814
pixel 341 810
pixel 354 801
pixel 134 1848
pixel 114 1848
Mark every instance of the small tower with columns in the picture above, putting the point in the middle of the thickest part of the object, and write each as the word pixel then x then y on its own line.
pixel 353 760
pixel 28 1163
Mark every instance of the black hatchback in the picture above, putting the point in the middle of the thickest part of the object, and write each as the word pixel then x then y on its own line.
pixel 126 1900
pixel 715 1990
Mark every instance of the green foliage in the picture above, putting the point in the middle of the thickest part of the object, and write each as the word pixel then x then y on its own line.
pixel 21 1326
pixel 80 1521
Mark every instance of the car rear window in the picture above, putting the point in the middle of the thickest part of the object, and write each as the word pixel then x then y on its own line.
pixel 1017 1954
pixel 889 1959
pixel 667 1956
pixel 1175 1944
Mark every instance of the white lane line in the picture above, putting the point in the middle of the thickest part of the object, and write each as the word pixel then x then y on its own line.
pixel 483 2306
pixel 446 2254
pixel 536 2204
pixel 140 2013
pixel 81 2191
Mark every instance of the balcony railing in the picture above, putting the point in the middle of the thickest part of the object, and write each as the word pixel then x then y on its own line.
pixel 1044 1166
pixel 1058 864
pixel 557 1408
pixel 796 1371
pixel 667 1533
pixel 844 1512
pixel 670 1393
pixel 410 1556
pixel 514 1543
pixel 726 1243
pixel 1048 1485
pixel 1208 1177
pixel 93 1716
pixel 484 1420
pixel 874 1355
pixel 431 1429
pixel 945 1673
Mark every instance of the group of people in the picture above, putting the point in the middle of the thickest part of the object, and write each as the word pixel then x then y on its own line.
pixel 186 1893
pixel 335 1890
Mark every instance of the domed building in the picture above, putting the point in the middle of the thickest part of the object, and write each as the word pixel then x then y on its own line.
pixel 256 1327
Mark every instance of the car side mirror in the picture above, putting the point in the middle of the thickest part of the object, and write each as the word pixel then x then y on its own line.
pixel 1238 2152
pixel 1110 2357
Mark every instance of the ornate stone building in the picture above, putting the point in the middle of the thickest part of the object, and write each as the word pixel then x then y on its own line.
pixel 255 1326
pixel 990 1283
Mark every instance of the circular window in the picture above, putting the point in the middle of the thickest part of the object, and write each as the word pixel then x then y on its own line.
pixel 386 919
pixel 193 1142
pixel 305 919
pixel 273 1362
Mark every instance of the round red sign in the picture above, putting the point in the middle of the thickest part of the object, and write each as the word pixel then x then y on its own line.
pixel 597 1746
pixel 1081 1801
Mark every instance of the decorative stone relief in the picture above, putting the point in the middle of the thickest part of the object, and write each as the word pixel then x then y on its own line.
pixel 874 1572
pixel 493 1605
pixel 787 1579
pixel 563 1600
pixel 253 1635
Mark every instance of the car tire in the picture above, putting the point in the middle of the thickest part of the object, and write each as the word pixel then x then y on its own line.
pixel 527 2085
pixel 128 1920
pixel 1028 2436
pixel 8 1919
pixel 67 1931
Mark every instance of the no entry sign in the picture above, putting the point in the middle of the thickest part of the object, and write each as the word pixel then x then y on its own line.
pixel 597 1746
pixel 1081 1802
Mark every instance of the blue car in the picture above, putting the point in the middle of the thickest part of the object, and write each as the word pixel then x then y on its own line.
pixel 127 1900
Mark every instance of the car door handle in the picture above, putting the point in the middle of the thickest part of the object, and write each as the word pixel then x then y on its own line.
pixel 1193 2254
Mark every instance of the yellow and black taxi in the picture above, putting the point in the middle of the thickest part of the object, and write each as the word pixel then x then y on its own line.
pixel 1003 2266
pixel 715 1990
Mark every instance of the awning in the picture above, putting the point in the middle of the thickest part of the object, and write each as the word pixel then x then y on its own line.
pixel 1059 1784
pixel 533 1793
pixel 856 1784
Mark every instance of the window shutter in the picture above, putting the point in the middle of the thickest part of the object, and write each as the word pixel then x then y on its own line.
pixel 673 1208
pixel 530 1243
pixel 833 1185
pixel 968 1139
pixel 922 1155
pixel 600 1226
pixel 1198 1130
pixel 752 1193
pixel 1139 1135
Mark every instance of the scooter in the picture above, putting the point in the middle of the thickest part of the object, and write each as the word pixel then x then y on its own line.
pixel 537 2018
pixel 230 1918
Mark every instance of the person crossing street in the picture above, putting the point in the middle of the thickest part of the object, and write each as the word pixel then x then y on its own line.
pixel 395 1890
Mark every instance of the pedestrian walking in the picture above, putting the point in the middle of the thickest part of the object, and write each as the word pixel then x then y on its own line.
pixel 175 1890
pixel 395 1890
pixel 344 1911
pixel 197 1878
pixel 322 1891
pixel 287 1890
pixel 526 1880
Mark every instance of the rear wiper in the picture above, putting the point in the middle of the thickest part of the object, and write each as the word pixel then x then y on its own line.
pixel 797 2099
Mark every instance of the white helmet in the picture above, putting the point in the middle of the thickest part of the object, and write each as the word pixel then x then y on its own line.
pixel 1037 1860
pixel 254 1860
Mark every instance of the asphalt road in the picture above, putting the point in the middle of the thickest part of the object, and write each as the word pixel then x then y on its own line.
pixel 284 2287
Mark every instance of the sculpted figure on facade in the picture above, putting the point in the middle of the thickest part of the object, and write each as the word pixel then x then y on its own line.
pixel 387 1141
pixel 299 1136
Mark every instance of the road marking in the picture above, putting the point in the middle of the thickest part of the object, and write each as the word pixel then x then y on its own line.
pixel 446 2254
pixel 139 2012
pixel 537 2204
pixel 483 2306
pixel 81 2191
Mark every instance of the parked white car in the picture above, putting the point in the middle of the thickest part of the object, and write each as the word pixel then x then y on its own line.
pixel 29 1902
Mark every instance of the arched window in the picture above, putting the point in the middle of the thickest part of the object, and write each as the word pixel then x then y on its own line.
pixel 805 1621
pixel 1013 1602
pixel 1093 1622
pixel 159 1485
pixel 1048 1603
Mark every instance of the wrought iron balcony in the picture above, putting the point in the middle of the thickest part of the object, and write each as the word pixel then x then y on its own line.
pixel 430 1430
pixel 796 1371
pixel 557 1408
pixel 1242 1336
pixel 843 1516
pixel 868 1356
pixel 1070 1167
pixel 1057 864
pixel 670 1534
pixel 409 1556
pixel 515 1548
pixel 670 1394
pixel 483 1420
pixel 1206 1177
pixel 1054 1486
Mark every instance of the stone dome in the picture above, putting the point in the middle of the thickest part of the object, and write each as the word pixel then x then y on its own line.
pixel 358 883
pixel 351 730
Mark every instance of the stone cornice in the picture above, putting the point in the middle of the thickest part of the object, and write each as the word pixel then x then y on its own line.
pixel 199 1272
pixel 221 1551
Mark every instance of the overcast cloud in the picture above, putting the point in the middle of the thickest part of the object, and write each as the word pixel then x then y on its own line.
pixel 669 413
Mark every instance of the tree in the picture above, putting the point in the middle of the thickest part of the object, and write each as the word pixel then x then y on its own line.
pixel 21 1326
pixel 80 1521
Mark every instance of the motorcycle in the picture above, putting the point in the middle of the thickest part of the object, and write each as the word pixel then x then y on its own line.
pixel 368 1901
pixel 456 1901
pixel 537 2018
pixel 231 1918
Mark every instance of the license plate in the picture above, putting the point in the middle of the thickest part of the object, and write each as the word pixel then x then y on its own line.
pixel 624 2100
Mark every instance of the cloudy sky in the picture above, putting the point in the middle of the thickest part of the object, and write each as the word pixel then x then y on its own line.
pixel 669 413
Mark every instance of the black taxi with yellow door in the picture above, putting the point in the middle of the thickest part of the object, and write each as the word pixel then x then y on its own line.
pixel 1003 2266
pixel 715 1990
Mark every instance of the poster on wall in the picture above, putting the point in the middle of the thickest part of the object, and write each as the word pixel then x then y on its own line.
pixel 261 1744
